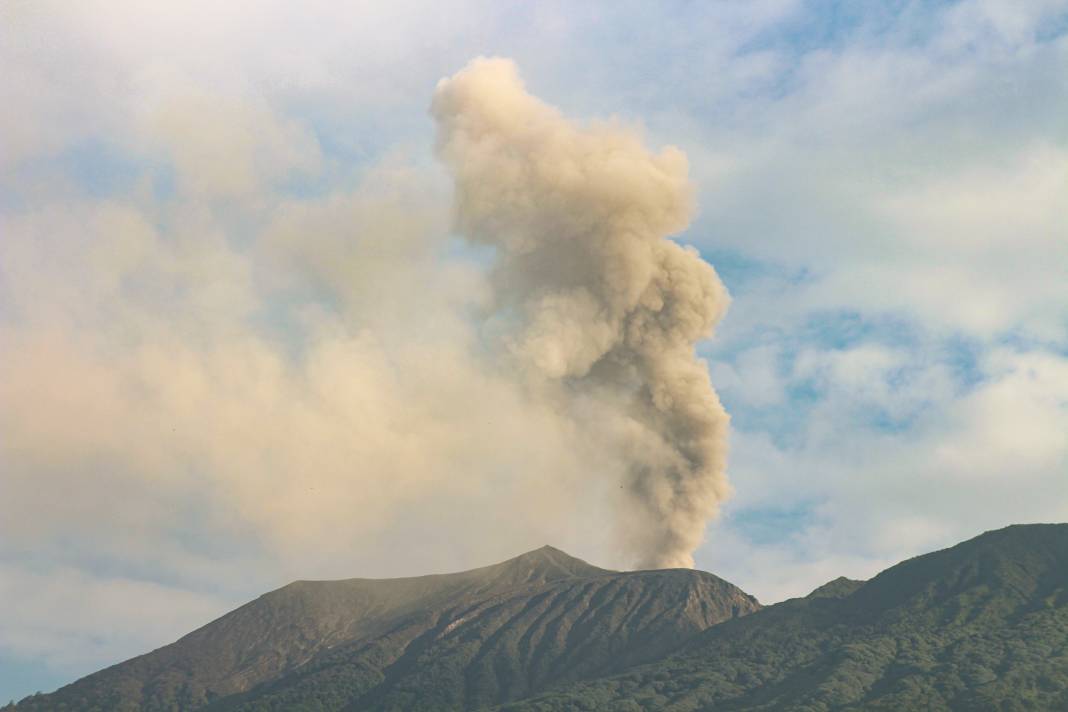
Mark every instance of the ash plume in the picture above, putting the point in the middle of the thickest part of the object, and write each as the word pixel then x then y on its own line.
pixel 341 386
pixel 595 307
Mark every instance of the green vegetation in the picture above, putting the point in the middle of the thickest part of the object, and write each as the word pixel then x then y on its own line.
pixel 980 626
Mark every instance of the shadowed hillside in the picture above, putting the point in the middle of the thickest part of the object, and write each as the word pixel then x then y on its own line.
pixel 980 626
pixel 452 641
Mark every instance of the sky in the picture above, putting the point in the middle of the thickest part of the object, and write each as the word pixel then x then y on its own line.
pixel 237 320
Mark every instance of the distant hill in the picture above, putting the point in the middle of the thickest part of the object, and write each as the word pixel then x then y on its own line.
pixel 980 626
pixel 454 641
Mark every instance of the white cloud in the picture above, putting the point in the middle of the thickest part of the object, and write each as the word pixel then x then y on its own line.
pixel 752 375
pixel 992 455
pixel 906 173
pixel 1015 426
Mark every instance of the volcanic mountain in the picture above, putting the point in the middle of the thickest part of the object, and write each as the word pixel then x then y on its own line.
pixel 454 641
pixel 980 626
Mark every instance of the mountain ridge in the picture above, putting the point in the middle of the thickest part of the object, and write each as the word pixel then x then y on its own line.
pixel 367 631
pixel 982 625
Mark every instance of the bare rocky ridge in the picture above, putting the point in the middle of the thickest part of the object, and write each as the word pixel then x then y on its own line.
pixel 463 640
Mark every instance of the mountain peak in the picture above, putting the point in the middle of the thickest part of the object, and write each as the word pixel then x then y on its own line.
pixel 465 640
pixel 542 551
pixel 1020 560
pixel 837 588
pixel 546 563
pixel 547 553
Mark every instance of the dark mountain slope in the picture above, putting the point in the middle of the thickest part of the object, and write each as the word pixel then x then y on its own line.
pixel 838 588
pixel 512 645
pixel 481 636
pixel 980 626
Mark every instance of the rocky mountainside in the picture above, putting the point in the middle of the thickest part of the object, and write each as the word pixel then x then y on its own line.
pixel 454 641
pixel 980 626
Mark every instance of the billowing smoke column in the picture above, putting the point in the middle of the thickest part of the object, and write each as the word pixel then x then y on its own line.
pixel 595 306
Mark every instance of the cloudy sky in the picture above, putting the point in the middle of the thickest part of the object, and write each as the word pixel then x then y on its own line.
pixel 237 325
